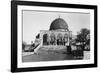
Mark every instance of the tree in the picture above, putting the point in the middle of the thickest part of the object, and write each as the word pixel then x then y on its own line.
pixel 23 45
pixel 82 36
pixel 38 36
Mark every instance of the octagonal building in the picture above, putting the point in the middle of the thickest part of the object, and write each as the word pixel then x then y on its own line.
pixel 57 36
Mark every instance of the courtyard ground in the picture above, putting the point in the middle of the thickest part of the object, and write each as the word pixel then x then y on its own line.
pixel 50 56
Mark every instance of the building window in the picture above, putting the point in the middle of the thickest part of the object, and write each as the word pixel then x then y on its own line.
pixel 45 39
pixel 59 39
pixel 52 39
pixel 65 38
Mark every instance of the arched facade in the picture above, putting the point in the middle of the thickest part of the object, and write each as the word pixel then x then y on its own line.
pixel 45 39
pixel 65 39
pixel 59 39
pixel 55 38
pixel 58 34
pixel 52 39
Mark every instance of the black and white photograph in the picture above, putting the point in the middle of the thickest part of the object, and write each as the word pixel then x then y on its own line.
pixel 53 36
pixel 49 36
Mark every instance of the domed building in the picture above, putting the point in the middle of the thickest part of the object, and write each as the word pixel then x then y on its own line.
pixel 59 23
pixel 57 36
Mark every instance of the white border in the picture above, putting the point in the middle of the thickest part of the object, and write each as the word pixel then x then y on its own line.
pixel 53 63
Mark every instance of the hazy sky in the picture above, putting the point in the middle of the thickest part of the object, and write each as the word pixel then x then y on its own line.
pixel 34 21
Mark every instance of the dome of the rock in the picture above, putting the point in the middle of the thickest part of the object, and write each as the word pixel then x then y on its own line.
pixel 59 23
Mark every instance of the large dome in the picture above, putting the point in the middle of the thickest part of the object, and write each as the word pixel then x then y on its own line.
pixel 59 23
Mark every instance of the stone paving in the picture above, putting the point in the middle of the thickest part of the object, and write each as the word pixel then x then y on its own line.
pixel 50 56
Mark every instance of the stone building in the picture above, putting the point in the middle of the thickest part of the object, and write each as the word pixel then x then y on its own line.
pixel 58 35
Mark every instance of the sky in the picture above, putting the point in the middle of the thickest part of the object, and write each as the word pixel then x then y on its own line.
pixel 34 21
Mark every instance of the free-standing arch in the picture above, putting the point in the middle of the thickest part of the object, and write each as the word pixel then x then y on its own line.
pixel 52 39
pixel 65 38
pixel 59 39
pixel 45 39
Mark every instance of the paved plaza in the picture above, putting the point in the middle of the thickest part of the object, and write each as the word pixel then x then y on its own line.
pixel 50 56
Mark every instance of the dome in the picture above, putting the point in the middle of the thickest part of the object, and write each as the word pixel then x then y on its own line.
pixel 59 23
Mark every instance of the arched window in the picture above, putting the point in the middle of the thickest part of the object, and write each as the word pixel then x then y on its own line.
pixel 65 38
pixel 59 39
pixel 52 39
pixel 45 39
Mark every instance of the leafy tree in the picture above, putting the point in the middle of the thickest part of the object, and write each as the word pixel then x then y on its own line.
pixel 38 36
pixel 82 36
pixel 23 45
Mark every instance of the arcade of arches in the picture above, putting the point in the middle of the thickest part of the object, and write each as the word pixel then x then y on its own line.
pixel 57 35
pixel 56 38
